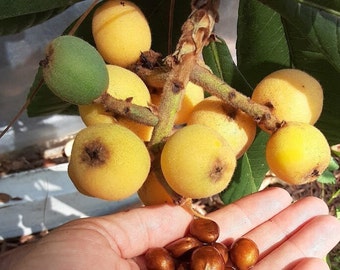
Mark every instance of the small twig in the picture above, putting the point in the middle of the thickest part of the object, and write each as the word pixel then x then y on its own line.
pixel 22 109
pixel 334 196
pixel 82 18
pixel 196 32
pixel 126 108
pixel 217 87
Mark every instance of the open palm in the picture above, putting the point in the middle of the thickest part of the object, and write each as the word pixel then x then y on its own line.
pixel 289 236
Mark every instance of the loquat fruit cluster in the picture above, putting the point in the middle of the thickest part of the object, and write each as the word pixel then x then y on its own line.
pixel 110 158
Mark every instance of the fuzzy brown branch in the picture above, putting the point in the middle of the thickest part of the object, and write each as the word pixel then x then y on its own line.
pixel 196 33
pixel 217 87
pixel 142 115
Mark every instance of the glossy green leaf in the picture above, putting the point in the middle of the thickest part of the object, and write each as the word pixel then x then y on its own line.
pixel 250 171
pixel 313 35
pixel 297 34
pixel 261 44
pixel 17 15
pixel 307 57
pixel 163 15
pixel 318 24
pixel 217 56
pixel 328 177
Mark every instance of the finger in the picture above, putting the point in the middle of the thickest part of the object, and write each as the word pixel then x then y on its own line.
pixel 285 223
pixel 311 263
pixel 132 233
pixel 315 239
pixel 243 215
pixel 137 230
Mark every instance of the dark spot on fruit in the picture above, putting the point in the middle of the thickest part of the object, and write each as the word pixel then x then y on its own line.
pixel 269 105
pixel 44 63
pixel 217 171
pixel 315 173
pixel 94 153
pixel 122 3
pixel 229 111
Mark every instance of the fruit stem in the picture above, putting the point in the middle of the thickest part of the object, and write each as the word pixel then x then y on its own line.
pixel 196 32
pixel 217 87
pixel 126 108
pixel 82 18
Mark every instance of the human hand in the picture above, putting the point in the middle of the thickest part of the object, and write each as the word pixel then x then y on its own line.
pixel 289 236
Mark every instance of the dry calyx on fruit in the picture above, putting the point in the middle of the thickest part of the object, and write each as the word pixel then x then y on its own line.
pixel 200 250
pixel 108 161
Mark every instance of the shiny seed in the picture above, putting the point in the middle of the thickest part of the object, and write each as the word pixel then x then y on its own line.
pixel 159 259
pixel 182 245
pixel 222 248
pixel 183 266
pixel 205 230
pixel 206 257
pixel 244 253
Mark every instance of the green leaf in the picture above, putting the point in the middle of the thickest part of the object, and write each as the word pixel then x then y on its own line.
pixel 250 171
pixel 17 15
pixel 261 45
pixel 319 24
pixel 336 150
pixel 15 8
pixel 162 17
pixel 312 33
pixel 328 176
pixel 217 56
pixel 297 34
pixel 333 165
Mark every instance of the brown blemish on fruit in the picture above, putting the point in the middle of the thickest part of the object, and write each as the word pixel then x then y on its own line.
pixel 217 171
pixel 44 63
pixel 49 53
pixel 229 110
pixel 269 105
pixel 311 177
pixel 94 153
